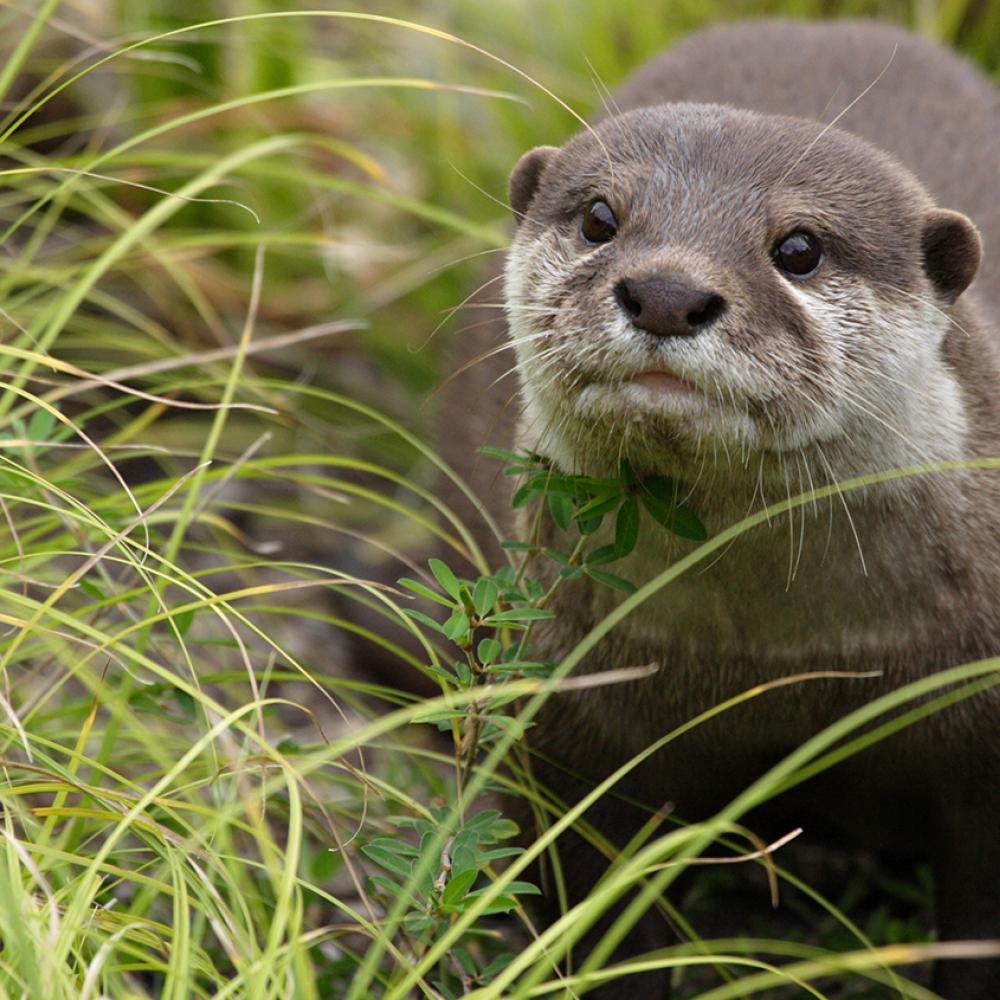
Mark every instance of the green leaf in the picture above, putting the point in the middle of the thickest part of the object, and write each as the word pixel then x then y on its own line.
pixel 182 621
pixel 605 554
pixel 41 425
pixel 466 837
pixel 570 572
pixel 488 650
pixel 491 826
pixel 484 596
pixel 417 922
pixel 324 863
pixel 458 885
pixel 502 904
pixel 599 506
pixel 678 519
pixel 592 486
pixel 550 482
pixel 385 884
pixel 662 487
pixel 447 579
pixel 501 852
pixel 503 454
pixel 610 580
pixel 142 701
pixel 524 494
pixel 386 859
pixel 523 889
pixel 483 820
pixel 446 675
pixel 518 615
pixel 435 717
pixel 561 509
pixel 496 966
pixel 456 627
pixel 661 511
pixel 186 704
pixel 526 667
pixel 395 845
pixel 466 961
pixel 419 588
pixel 627 527
pixel 463 859
pixel 515 546
pixel 688 525
pixel 589 525
pixel 445 990
pixel 422 618
pixel 418 823
pixel 91 589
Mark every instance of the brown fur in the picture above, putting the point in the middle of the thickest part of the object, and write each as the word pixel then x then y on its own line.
pixel 904 584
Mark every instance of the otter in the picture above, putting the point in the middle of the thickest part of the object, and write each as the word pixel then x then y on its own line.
pixel 772 266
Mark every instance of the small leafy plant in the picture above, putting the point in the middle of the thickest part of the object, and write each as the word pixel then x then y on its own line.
pixel 584 501
pixel 449 889
pixel 489 620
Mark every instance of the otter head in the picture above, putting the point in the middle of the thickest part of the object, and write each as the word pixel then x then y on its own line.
pixel 691 280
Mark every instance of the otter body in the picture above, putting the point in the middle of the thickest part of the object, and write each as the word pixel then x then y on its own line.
pixel 760 305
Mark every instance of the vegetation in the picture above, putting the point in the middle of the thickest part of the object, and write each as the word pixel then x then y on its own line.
pixel 230 251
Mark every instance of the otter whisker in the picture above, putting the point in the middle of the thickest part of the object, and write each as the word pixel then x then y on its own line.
pixel 924 301
pixel 802 516
pixel 790 514
pixel 831 124
pixel 847 510
pixel 464 259
pixel 485 356
pixel 607 98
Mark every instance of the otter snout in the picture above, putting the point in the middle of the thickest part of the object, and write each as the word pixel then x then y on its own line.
pixel 668 305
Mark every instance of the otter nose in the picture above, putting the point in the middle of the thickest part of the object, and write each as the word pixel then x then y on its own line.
pixel 668 306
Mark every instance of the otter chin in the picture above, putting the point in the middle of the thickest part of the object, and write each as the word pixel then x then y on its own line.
pixel 764 276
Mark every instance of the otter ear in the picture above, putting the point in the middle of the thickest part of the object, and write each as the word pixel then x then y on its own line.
pixel 952 251
pixel 525 176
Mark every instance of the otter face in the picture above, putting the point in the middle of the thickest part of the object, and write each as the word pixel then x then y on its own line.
pixel 688 278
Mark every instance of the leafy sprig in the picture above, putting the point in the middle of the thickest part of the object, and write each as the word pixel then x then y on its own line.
pixel 584 502
pixel 460 879
pixel 488 621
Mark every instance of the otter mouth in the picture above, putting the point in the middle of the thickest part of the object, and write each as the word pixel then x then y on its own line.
pixel 654 393
pixel 663 383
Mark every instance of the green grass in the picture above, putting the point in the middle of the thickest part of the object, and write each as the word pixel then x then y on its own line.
pixel 227 251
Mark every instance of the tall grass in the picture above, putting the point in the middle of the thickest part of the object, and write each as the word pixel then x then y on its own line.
pixel 228 247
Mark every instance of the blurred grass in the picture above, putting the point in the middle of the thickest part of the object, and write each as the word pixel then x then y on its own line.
pixel 227 253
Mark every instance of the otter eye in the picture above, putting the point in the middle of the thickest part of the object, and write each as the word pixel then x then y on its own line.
pixel 798 254
pixel 599 223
